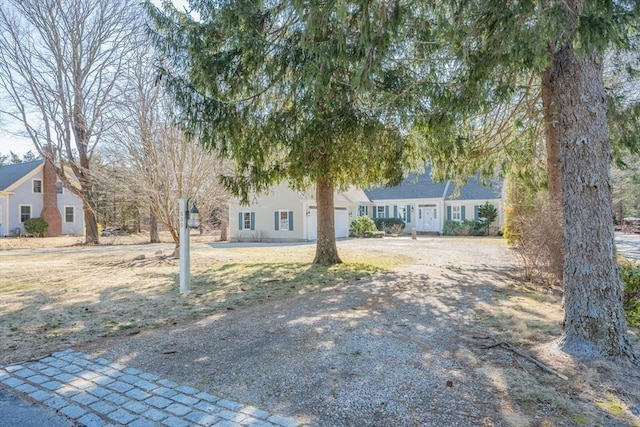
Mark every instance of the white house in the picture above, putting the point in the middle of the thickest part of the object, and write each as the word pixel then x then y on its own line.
pixel 287 215
pixel 31 189
pixel 426 205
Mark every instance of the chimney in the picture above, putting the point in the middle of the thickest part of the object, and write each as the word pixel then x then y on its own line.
pixel 50 212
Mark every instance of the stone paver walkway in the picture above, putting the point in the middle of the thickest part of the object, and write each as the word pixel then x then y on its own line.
pixel 96 392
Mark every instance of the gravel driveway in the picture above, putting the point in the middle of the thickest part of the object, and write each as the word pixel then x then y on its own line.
pixel 387 351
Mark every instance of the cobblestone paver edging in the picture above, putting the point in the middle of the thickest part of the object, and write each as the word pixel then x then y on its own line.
pixel 96 392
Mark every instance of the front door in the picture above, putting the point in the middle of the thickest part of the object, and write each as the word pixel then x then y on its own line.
pixel 427 218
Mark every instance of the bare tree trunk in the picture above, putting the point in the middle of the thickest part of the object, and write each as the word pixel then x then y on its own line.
pixel 224 230
pixel 326 249
pixel 594 317
pixel 176 240
pixel 90 223
pixel 154 235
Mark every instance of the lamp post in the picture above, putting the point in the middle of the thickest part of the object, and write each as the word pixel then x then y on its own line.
pixel 189 218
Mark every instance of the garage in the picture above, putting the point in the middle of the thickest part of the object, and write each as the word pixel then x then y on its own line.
pixel 341 219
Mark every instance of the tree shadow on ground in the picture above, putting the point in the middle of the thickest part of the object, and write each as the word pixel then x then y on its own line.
pixel 393 349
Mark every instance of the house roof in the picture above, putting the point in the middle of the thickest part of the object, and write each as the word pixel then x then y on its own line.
pixel 421 186
pixel 9 174
pixel 475 190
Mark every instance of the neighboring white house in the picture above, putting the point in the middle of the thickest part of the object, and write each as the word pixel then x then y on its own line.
pixel 31 189
pixel 287 215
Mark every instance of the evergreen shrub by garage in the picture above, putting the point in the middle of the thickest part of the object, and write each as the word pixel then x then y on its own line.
pixel 361 226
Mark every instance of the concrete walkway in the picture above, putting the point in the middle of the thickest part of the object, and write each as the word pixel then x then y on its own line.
pixel 95 392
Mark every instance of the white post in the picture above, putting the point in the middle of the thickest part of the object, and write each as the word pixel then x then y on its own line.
pixel 183 209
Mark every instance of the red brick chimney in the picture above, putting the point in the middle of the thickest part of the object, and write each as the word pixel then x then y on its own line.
pixel 50 212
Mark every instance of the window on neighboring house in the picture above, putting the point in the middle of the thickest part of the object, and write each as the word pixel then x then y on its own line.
pixel 284 220
pixel 380 212
pixel 37 186
pixel 59 187
pixel 246 220
pixel 456 213
pixel 363 210
pixel 402 213
pixel 25 212
pixel 69 214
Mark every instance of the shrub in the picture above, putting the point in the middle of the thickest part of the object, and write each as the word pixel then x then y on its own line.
pixel 464 228
pixel 385 224
pixel 451 228
pixel 361 225
pixel 487 214
pixel 630 276
pixel 36 226
pixel 537 235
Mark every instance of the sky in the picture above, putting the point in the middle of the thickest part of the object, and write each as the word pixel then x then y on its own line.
pixel 10 142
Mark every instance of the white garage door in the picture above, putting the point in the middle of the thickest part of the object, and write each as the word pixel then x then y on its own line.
pixel 341 223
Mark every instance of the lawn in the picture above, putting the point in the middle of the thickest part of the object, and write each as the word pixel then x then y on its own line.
pixel 56 299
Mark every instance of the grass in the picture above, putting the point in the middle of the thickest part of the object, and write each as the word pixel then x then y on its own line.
pixel 51 301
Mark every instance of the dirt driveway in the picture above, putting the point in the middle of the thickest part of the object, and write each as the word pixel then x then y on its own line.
pixel 410 346
pixel 401 348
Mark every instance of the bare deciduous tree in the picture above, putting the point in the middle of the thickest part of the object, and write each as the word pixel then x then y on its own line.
pixel 163 164
pixel 60 61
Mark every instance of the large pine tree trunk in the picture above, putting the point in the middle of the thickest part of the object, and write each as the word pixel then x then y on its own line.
pixel 326 249
pixel 594 317
pixel 554 182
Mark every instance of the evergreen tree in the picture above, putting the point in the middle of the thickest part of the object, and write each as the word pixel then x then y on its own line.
pixel 495 47
pixel 294 91
pixel 487 214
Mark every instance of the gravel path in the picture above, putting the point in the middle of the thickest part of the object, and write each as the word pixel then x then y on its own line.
pixel 387 351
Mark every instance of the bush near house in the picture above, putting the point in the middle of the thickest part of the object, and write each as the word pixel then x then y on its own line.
pixel 36 227
pixel 630 275
pixel 464 228
pixel 362 226
pixel 390 225
pixel 487 214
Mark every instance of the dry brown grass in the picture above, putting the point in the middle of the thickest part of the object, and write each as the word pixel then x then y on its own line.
pixel 69 294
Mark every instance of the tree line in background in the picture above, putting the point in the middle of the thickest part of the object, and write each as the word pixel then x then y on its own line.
pixel 338 93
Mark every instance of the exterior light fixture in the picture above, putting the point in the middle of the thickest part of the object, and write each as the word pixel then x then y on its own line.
pixel 194 217
pixel 189 218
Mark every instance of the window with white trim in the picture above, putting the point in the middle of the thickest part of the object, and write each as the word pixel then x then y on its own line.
pixel 25 212
pixel 456 213
pixel 246 221
pixel 363 210
pixel 283 220
pixel 69 214
pixel 402 213
pixel 59 187
pixel 380 212
pixel 37 186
